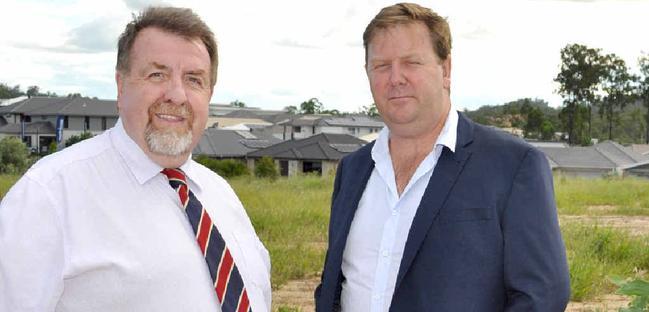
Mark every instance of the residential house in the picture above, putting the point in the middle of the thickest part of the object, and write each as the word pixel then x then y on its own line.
pixel 318 153
pixel 605 158
pixel 38 116
pixel 303 126
pixel 231 144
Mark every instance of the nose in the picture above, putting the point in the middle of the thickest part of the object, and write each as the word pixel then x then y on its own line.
pixel 397 75
pixel 175 92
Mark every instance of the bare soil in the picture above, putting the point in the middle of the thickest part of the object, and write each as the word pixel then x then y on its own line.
pixel 299 293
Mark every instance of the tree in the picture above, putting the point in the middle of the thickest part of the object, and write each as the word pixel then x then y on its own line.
pixel 237 103
pixel 579 76
pixel 266 168
pixel 7 92
pixel 534 122
pixel 333 112
pixel 33 91
pixel 77 138
pixel 371 110
pixel 312 106
pixel 617 85
pixel 292 109
pixel 14 156
pixel 643 90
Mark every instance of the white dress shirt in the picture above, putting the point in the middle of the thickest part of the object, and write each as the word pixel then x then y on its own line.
pixel 96 227
pixel 378 233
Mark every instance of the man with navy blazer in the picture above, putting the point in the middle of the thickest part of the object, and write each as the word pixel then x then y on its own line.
pixel 439 213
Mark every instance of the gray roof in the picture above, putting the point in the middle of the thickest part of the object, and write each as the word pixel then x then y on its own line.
pixel 38 127
pixel 266 115
pixel 65 106
pixel 605 155
pixel 323 146
pixel 223 143
pixel 353 121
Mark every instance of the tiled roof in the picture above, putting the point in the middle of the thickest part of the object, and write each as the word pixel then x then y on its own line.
pixel 230 143
pixel 67 106
pixel 323 146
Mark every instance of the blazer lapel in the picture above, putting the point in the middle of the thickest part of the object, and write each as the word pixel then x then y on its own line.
pixel 445 174
pixel 357 172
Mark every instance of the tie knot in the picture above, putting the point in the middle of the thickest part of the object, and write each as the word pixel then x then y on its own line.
pixel 175 174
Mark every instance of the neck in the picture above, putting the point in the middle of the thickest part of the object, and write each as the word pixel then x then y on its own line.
pixel 165 161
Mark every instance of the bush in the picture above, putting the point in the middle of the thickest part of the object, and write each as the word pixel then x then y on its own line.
pixel 265 168
pixel 224 167
pixel 78 138
pixel 14 156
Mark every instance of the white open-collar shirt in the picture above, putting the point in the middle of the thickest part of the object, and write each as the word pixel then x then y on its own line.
pixel 96 227
pixel 380 227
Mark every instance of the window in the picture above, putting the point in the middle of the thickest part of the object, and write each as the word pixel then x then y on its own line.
pixel 65 122
pixel 297 129
pixel 27 118
pixel 86 123
pixel 283 168
pixel 103 123
pixel 312 166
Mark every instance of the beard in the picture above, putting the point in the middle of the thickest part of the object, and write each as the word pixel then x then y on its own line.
pixel 169 141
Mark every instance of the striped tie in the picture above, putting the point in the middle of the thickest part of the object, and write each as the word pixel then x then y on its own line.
pixel 228 284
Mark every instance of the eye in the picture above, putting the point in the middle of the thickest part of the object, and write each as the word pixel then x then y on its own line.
pixel 196 81
pixel 156 75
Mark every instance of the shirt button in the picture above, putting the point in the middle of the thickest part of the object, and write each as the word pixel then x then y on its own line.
pixel 376 297
pixel 394 212
pixel 385 253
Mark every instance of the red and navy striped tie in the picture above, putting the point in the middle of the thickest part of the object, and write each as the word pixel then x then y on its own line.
pixel 228 284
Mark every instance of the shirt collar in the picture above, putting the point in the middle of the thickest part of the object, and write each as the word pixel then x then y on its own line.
pixel 140 165
pixel 447 137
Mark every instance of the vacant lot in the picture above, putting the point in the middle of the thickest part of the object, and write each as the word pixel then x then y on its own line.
pixel 605 224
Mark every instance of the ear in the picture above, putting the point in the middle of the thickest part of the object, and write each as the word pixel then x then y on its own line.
pixel 446 72
pixel 119 80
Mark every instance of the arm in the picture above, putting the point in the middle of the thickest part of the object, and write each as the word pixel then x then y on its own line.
pixel 31 249
pixel 536 271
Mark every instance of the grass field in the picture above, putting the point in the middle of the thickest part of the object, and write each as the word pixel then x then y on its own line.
pixel 291 217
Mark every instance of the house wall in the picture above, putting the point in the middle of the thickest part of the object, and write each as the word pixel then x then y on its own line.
pixel 329 167
pixel 589 173
pixel 641 172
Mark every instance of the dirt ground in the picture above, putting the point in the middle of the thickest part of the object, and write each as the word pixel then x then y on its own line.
pixel 299 293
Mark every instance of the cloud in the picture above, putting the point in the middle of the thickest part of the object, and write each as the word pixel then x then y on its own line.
pixel 97 36
pixel 138 5
pixel 291 43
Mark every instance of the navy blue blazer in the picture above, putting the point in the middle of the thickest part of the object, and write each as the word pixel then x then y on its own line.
pixel 485 236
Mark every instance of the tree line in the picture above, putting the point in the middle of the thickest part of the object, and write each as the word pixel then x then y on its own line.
pixel 592 81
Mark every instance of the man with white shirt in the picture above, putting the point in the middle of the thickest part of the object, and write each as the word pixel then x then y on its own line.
pixel 439 213
pixel 127 221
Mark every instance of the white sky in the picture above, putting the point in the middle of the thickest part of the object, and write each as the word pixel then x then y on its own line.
pixel 279 53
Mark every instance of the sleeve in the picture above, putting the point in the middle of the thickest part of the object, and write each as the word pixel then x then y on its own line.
pixel 31 249
pixel 536 270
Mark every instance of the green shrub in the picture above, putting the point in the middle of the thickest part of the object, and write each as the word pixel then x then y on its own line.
pixel 224 167
pixel 636 288
pixel 78 138
pixel 266 168
pixel 14 156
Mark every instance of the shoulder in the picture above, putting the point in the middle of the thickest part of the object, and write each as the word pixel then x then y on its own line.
pixel 67 160
pixel 362 155
pixel 490 141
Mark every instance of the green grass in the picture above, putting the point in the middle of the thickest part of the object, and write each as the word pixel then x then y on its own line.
pixel 610 196
pixel 6 181
pixel 291 218
pixel 596 253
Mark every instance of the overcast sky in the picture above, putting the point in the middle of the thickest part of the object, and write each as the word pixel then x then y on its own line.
pixel 279 53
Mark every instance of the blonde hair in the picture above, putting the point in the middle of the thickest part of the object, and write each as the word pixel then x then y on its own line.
pixel 405 13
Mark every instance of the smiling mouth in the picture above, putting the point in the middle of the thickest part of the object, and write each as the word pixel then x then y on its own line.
pixel 171 118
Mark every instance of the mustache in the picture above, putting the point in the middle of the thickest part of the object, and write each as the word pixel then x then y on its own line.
pixel 184 111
